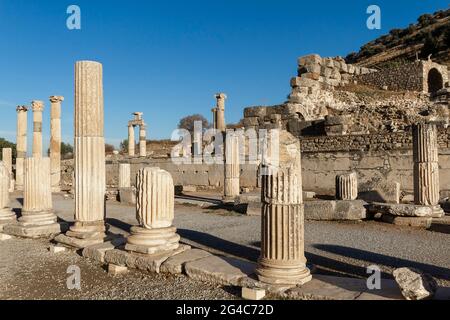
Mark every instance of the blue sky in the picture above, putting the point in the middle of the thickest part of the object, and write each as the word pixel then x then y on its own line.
pixel 168 59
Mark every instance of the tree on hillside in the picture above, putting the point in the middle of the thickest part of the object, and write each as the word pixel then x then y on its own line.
pixel 430 46
pixel 188 122
pixel 447 37
pixel 7 144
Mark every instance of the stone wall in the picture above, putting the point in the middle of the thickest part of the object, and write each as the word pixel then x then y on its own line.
pixel 410 77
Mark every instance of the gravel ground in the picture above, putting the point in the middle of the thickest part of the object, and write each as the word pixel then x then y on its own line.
pixel 337 248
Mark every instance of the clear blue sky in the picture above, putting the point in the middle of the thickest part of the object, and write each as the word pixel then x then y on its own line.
pixel 168 58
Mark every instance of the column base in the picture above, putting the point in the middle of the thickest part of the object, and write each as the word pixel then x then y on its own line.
pixel 152 241
pixel 271 273
pixel 84 234
pixel 7 216
pixel 438 212
pixel 35 231
pixel 228 200
pixel 37 218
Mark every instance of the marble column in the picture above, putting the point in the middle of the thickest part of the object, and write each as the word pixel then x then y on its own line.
pixel 21 144
pixel 55 142
pixel 155 214
pixel 347 186
pixel 131 141
pixel 426 167
pixel 124 175
pixel 214 117
pixel 232 168
pixel 7 160
pixel 143 140
pixel 282 260
pixel 220 112
pixel 89 184
pixel 6 214
pixel 37 219
pixel 38 108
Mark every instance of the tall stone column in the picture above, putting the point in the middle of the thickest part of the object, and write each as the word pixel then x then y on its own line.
pixel 214 117
pixel 131 141
pixel 426 167
pixel 347 186
pixel 232 168
pixel 6 214
pixel 55 142
pixel 143 140
pixel 7 160
pixel 155 214
pixel 37 107
pixel 282 259
pixel 220 112
pixel 89 184
pixel 21 144
pixel 38 219
pixel 124 175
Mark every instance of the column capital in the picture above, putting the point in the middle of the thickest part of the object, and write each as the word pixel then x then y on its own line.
pixel 22 109
pixel 56 99
pixel 37 106
pixel 220 96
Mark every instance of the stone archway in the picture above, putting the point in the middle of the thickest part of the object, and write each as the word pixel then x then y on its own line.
pixel 435 80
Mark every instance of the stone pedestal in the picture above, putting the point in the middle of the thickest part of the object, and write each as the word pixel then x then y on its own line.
pixel 155 213
pixel 21 146
pixel 426 167
pixel 7 160
pixel 55 142
pixel 38 219
pixel 124 175
pixel 6 214
pixel 282 260
pixel 89 183
pixel 38 108
pixel 131 141
pixel 232 168
pixel 347 186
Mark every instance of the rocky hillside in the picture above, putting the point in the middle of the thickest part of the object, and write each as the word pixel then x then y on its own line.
pixel 430 35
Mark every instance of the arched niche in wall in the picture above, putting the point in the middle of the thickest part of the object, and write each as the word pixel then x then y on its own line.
pixel 435 80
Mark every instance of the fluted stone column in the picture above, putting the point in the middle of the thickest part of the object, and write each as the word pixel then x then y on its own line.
pixel 131 141
pixel 6 214
pixel 282 259
pixel 7 160
pixel 154 212
pixel 89 184
pixel 143 140
pixel 220 112
pixel 38 108
pixel 426 167
pixel 232 168
pixel 214 117
pixel 347 186
pixel 21 144
pixel 124 175
pixel 38 219
pixel 55 142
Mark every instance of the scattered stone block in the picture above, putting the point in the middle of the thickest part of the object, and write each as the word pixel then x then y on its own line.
pixel 4 237
pixel 253 293
pixel 189 189
pixel 221 270
pixel 57 249
pixel 330 210
pixel 401 210
pixel 309 195
pixel 416 222
pixel 384 192
pixel 116 270
pixel 127 195
pixel 414 284
pixel 176 263
pixel 97 252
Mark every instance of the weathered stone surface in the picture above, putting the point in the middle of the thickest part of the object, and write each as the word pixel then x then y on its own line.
pixel 35 231
pixel 55 142
pixel 144 262
pixel 97 252
pixel 127 195
pixel 176 263
pixel 6 213
pixel 221 270
pixel 21 144
pixel 253 294
pixel 385 191
pixel 115 270
pixel 416 222
pixel 78 242
pixel 401 210
pixel 38 108
pixel 232 168
pixel 335 210
pixel 347 186
pixel 414 284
